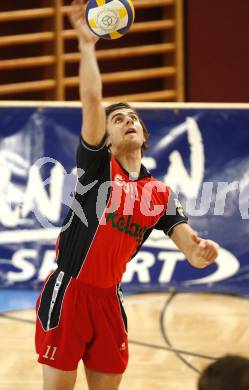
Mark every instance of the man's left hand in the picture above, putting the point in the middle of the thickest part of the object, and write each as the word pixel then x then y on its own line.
pixel 204 252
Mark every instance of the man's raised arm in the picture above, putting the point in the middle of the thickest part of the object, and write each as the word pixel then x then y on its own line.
pixel 94 118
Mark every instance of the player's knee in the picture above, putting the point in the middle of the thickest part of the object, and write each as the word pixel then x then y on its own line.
pixel 58 379
pixel 116 382
pixel 110 385
pixel 101 381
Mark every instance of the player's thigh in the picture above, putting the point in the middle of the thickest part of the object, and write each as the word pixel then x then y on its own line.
pixel 102 381
pixel 54 379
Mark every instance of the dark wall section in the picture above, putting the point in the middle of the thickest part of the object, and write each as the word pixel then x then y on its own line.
pixel 217 50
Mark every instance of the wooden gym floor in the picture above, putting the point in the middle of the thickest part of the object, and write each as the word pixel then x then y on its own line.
pixel 172 338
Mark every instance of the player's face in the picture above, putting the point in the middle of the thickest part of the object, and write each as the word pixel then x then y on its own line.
pixel 124 130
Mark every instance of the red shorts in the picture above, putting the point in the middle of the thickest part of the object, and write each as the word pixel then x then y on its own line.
pixel 77 321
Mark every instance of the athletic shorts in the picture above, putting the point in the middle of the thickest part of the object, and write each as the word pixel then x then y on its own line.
pixel 77 321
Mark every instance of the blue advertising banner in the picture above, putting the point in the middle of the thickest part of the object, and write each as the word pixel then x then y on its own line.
pixel 202 153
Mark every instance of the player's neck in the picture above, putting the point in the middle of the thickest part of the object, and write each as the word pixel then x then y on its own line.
pixel 130 161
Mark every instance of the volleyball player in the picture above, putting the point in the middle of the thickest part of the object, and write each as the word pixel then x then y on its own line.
pixel 80 315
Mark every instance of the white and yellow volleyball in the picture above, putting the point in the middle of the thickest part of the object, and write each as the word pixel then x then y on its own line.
pixel 110 19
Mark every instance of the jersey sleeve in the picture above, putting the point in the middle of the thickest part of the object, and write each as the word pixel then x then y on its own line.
pixel 174 215
pixel 87 155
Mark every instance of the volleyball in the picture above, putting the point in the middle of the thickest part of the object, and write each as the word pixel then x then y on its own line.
pixel 110 19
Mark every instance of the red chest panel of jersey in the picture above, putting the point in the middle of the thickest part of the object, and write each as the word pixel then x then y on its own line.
pixel 132 209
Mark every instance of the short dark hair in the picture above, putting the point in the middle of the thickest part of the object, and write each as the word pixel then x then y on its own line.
pixel 120 106
pixel 230 372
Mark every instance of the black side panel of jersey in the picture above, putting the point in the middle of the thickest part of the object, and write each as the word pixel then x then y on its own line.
pixel 82 221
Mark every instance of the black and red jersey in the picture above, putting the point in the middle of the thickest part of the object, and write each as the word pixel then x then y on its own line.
pixel 111 216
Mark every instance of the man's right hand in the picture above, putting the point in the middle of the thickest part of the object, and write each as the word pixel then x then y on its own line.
pixel 78 21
